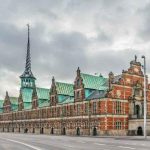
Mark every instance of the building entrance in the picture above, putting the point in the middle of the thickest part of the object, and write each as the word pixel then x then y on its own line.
pixel 94 131
pixel 139 131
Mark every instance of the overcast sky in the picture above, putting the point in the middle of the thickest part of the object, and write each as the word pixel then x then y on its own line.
pixel 99 36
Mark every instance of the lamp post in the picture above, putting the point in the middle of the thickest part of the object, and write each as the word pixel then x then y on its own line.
pixel 12 120
pixel 145 105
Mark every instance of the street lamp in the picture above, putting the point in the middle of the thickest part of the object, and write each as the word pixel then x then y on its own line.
pixel 145 105
pixel 40 120
pixel 89 116
pixel 12 119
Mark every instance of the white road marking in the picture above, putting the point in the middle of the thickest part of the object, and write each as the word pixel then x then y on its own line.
pixel 126 147
pixel 126 143
pixel 99 144
pixel 112 145
pixel 81 142
pixel 30 146
pixel 68 146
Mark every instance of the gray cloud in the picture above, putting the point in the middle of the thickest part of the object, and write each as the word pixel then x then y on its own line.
pixel 98 35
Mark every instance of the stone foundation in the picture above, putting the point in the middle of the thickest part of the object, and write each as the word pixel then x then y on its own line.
pixel 69 132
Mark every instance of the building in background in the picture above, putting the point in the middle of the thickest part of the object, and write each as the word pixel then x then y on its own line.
pixel 91 105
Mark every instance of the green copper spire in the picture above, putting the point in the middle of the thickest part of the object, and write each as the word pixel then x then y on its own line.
pixel 27 78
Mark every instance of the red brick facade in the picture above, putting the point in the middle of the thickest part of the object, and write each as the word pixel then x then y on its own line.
pixel 105 116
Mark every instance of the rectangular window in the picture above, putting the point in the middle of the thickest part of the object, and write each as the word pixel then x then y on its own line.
pixel 118 125
pixel 71 110
pixel 58 111
pixel 63 111
pixel 78 94
pixel 78 109
pixel 94 107
pixel 118 107
pixel 86 108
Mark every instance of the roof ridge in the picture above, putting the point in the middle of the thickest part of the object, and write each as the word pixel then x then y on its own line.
pixel 13 97
pixel 42 88
pixel 65 83
pixel 93 75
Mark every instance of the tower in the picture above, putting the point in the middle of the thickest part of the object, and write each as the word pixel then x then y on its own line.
pixel 79 92
pixel 20 102
pixel 53 93
pixel 27 78
pixel 7 103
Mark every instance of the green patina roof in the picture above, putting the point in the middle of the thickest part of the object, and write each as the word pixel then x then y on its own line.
pixel 94 82
pixel 14 103
pixel 27 105
pixel 68 100
pixel 64 88
pixel 27 95
pixel 14 100
pixel 43 93
pixel 1 103
pixel 44 103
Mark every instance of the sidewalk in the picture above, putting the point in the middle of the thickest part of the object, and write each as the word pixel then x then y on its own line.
pixel 124 137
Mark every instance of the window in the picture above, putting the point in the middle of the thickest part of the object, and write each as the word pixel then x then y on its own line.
pixel 78 82
pixel 63 111
pixel 118 107
pixel 86 108
pixel 118 125
pixel 94 107
pixel 52 112
pixel 78 94
pixel 58 111
pixel 78 109
pixel 71 110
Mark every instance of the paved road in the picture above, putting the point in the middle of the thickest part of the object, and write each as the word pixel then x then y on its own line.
pixel 14 141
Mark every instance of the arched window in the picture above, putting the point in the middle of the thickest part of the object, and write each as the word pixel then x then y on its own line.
pixel 137 111
pixel 78 82
pixel 78 94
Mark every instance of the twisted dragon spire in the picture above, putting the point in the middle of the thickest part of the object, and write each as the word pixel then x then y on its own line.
pixel 28 72
pixel 28 57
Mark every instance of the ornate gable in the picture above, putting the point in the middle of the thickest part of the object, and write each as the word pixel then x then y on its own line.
pixel 7 103
pixel 135 68
pixel 53 93
pixel 79 92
